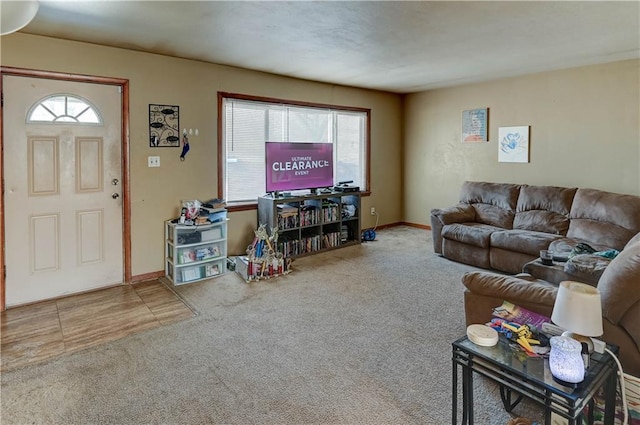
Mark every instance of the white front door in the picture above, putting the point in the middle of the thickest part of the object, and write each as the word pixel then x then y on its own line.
pixel 62 198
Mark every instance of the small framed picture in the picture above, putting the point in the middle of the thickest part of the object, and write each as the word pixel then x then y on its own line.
pixel 474 125
pixel 513 144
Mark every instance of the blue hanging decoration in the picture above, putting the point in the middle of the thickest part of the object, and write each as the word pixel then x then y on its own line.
pixel 185 146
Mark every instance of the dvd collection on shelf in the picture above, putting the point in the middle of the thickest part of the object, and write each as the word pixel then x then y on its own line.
pixel 313 222
pixel 288 217
pixel 332 239
pixel 300 246
pixel 310 244
pixel 309 215
pixel 329 211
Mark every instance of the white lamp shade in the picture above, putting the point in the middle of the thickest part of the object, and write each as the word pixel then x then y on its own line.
pixel 578 309
pixel 15 15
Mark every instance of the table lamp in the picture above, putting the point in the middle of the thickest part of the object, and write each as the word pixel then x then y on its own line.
pixel 578 310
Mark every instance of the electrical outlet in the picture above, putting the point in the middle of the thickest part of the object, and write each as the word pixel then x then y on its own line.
pixel 153 161
pixel 373 211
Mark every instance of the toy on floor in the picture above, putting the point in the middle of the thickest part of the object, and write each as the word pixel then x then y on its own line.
pixel 264 259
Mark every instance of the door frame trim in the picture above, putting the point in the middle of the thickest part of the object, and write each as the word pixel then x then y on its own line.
pixel 126 198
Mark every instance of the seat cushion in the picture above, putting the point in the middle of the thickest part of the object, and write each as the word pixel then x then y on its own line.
pixel 475 234
pixel 524 241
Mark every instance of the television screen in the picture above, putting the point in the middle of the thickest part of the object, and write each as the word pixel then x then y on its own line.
pixel 294 166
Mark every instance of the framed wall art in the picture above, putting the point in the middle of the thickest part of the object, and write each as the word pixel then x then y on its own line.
pixel 513 144
pixel 474 125
pixel 164 126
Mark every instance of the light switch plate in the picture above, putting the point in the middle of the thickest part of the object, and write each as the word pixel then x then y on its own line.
pixel 153 161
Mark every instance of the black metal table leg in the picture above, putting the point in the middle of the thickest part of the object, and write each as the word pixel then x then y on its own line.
pixel 470 391
pixel 505 395
pixel 454 391
pixel 465 395
pixel 592 407
pixel 610 398
pixel 547 410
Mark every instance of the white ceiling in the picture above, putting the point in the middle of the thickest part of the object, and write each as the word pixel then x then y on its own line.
pixel 394 46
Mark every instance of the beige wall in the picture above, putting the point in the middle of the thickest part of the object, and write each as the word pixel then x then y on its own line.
pixel 156 192
pixel 585 132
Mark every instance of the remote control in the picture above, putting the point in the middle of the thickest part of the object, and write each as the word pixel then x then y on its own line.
pixel 551 329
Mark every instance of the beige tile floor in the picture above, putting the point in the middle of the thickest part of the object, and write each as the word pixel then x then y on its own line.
pixel 42 331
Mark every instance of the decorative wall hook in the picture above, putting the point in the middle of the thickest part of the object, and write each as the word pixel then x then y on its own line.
pixel 192 132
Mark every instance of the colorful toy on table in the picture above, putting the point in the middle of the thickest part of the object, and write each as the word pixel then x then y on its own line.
pixel 524 335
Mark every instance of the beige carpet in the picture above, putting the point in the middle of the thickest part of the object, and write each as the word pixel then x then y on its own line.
pixel 360 335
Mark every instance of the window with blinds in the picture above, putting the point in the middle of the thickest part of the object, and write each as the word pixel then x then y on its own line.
pixel 247 124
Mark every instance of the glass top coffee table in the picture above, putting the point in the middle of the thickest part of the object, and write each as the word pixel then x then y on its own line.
pixel 522 376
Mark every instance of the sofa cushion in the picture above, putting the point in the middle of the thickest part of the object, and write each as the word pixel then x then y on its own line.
pixel 494 203
pixel 544 209
pixel 475 234
pixel 604 218
pixel 523 241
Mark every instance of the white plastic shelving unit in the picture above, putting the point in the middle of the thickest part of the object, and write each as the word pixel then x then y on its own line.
pixel 198 252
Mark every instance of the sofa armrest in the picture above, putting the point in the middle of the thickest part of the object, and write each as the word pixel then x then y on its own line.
pixel 619 285
pixel 460 213
pixel 486 290
pixel 513 288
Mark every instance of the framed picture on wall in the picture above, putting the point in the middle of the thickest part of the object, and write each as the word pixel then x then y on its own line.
pixel 513 144
pixel 164 126
pixel 475 125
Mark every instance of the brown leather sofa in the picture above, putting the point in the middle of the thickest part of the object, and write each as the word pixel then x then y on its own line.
pixel 619 288
pixel 504 226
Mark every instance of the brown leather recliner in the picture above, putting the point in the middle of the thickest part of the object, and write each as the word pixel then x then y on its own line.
pixel 619 288
pixel 502 226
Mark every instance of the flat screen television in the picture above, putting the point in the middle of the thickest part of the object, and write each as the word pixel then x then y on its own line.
pixel 298 165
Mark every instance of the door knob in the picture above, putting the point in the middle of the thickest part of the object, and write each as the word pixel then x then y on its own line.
pixel 115 182
pixel 115 195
